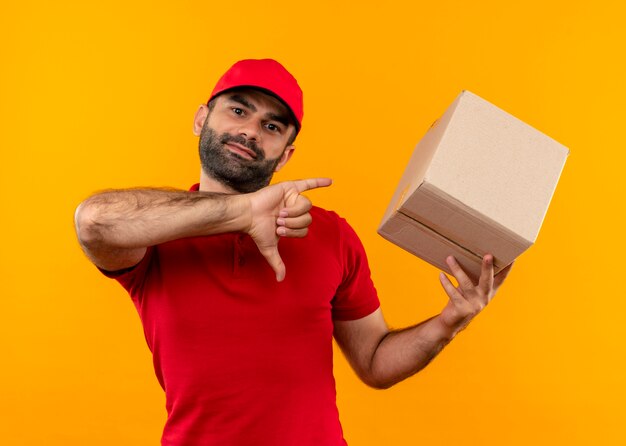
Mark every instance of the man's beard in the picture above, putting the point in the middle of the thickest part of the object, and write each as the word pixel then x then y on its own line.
pixel 230 169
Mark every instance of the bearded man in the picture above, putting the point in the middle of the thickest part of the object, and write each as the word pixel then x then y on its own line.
pixel 241 334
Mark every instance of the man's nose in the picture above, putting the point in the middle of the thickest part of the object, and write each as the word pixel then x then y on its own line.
pixel 249 130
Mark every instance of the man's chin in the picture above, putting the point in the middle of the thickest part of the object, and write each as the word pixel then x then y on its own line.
pixel 235 179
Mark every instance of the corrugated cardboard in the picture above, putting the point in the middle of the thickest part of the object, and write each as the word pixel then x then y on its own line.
pixel 480 181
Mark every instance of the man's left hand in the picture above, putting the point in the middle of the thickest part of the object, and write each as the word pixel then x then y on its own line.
pixel 468 299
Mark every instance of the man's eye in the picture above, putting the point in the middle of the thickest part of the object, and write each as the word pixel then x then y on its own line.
pixel 237 111
pixel 273 128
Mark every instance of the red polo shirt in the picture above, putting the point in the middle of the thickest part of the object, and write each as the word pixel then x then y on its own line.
pixel 243 359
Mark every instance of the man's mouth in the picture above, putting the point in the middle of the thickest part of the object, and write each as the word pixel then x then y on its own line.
pixel 240 150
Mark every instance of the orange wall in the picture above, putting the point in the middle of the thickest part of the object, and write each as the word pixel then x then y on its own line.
pixel 99 95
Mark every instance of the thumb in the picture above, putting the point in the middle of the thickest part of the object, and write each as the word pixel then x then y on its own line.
pixel 276 262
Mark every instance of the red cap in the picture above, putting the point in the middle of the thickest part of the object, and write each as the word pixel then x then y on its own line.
pixel 266 75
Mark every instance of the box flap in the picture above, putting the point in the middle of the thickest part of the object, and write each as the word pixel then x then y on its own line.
pixel 430 246
pixel 464 226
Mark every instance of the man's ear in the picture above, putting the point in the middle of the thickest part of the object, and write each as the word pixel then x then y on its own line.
pixel 286 156
pixel 198 120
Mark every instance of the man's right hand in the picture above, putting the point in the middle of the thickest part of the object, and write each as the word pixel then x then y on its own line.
pixel 278 211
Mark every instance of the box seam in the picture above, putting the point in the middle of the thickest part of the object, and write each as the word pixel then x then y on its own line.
pixel 444 237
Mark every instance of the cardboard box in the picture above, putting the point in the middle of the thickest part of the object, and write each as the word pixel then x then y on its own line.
pixel 480 181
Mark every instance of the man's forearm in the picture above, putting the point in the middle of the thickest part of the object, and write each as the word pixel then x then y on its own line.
pixel 144 217
pixel 116 228
pixel 403 353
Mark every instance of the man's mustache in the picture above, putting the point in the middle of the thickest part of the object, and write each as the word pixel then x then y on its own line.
pixel 226 138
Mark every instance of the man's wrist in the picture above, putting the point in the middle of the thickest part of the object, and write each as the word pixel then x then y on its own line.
pixel 238 211
pixel 222 213
pixel 443 330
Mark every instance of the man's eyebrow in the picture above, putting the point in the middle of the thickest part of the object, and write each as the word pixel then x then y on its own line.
pixel 284 120
pixel 241 100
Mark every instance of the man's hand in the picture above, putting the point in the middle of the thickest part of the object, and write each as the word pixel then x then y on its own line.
pixel 280 211
pixel 382 357
pixel 468 298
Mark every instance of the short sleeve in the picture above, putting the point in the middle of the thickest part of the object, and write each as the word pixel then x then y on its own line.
pixel 356 296
pixel 133 278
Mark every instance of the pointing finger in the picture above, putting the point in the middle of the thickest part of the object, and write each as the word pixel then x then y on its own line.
pixel 312 183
